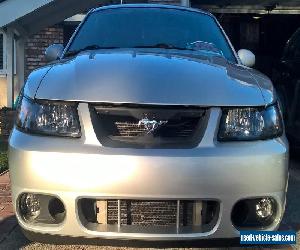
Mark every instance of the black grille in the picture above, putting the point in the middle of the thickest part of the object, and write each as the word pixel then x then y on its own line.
pixel 142 212
pixel 149 127
pixel 182 127
pixel 129 129
pixel 149 212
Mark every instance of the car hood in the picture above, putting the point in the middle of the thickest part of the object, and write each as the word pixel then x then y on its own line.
pixel 151 78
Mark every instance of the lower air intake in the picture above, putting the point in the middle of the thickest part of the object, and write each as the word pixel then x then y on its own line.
pixel 151 216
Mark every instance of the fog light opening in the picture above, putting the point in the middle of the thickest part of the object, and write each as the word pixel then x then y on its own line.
pixel 30 207
pixel 57 210
pixel 264 208
pixel 254 213
pixel 240 213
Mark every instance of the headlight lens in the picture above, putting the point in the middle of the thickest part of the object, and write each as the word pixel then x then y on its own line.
pixel 238 124
pixel 49 118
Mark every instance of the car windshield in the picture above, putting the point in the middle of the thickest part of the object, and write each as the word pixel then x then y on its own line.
pixel 149 28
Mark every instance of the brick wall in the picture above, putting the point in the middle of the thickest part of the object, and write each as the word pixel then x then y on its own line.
pixel 36 45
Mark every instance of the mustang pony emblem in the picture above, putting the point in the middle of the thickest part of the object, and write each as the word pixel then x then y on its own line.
pixel 151 125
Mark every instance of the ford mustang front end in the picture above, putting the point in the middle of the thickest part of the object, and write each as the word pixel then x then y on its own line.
pixel 139 136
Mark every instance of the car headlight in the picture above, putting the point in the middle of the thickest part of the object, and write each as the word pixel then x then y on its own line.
pixel 242 124
pixel 48 118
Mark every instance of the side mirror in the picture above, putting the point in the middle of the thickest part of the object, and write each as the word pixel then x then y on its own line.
pixel 247 57
pixel 54 52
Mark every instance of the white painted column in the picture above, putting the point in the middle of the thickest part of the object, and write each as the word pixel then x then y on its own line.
pixel 10 64
pixel 185 3
pixel 20 63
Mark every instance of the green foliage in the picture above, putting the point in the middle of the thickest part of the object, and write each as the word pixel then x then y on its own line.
pixel 3 157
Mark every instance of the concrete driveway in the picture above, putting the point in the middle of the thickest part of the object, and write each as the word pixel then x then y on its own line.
pixel 11 236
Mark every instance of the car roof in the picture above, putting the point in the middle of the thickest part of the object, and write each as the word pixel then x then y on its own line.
pixel 159 6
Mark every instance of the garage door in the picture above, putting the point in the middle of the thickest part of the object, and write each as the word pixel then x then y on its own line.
pixel 249 6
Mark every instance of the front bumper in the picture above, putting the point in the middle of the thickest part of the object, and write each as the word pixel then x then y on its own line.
pixel 74 168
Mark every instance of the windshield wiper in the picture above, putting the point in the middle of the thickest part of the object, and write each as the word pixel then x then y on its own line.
pixel 205 46
pixel 194 46
pixel 89 47
pixel 162 46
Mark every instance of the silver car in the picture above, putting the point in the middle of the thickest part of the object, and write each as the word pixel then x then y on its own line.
pixel 148 126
